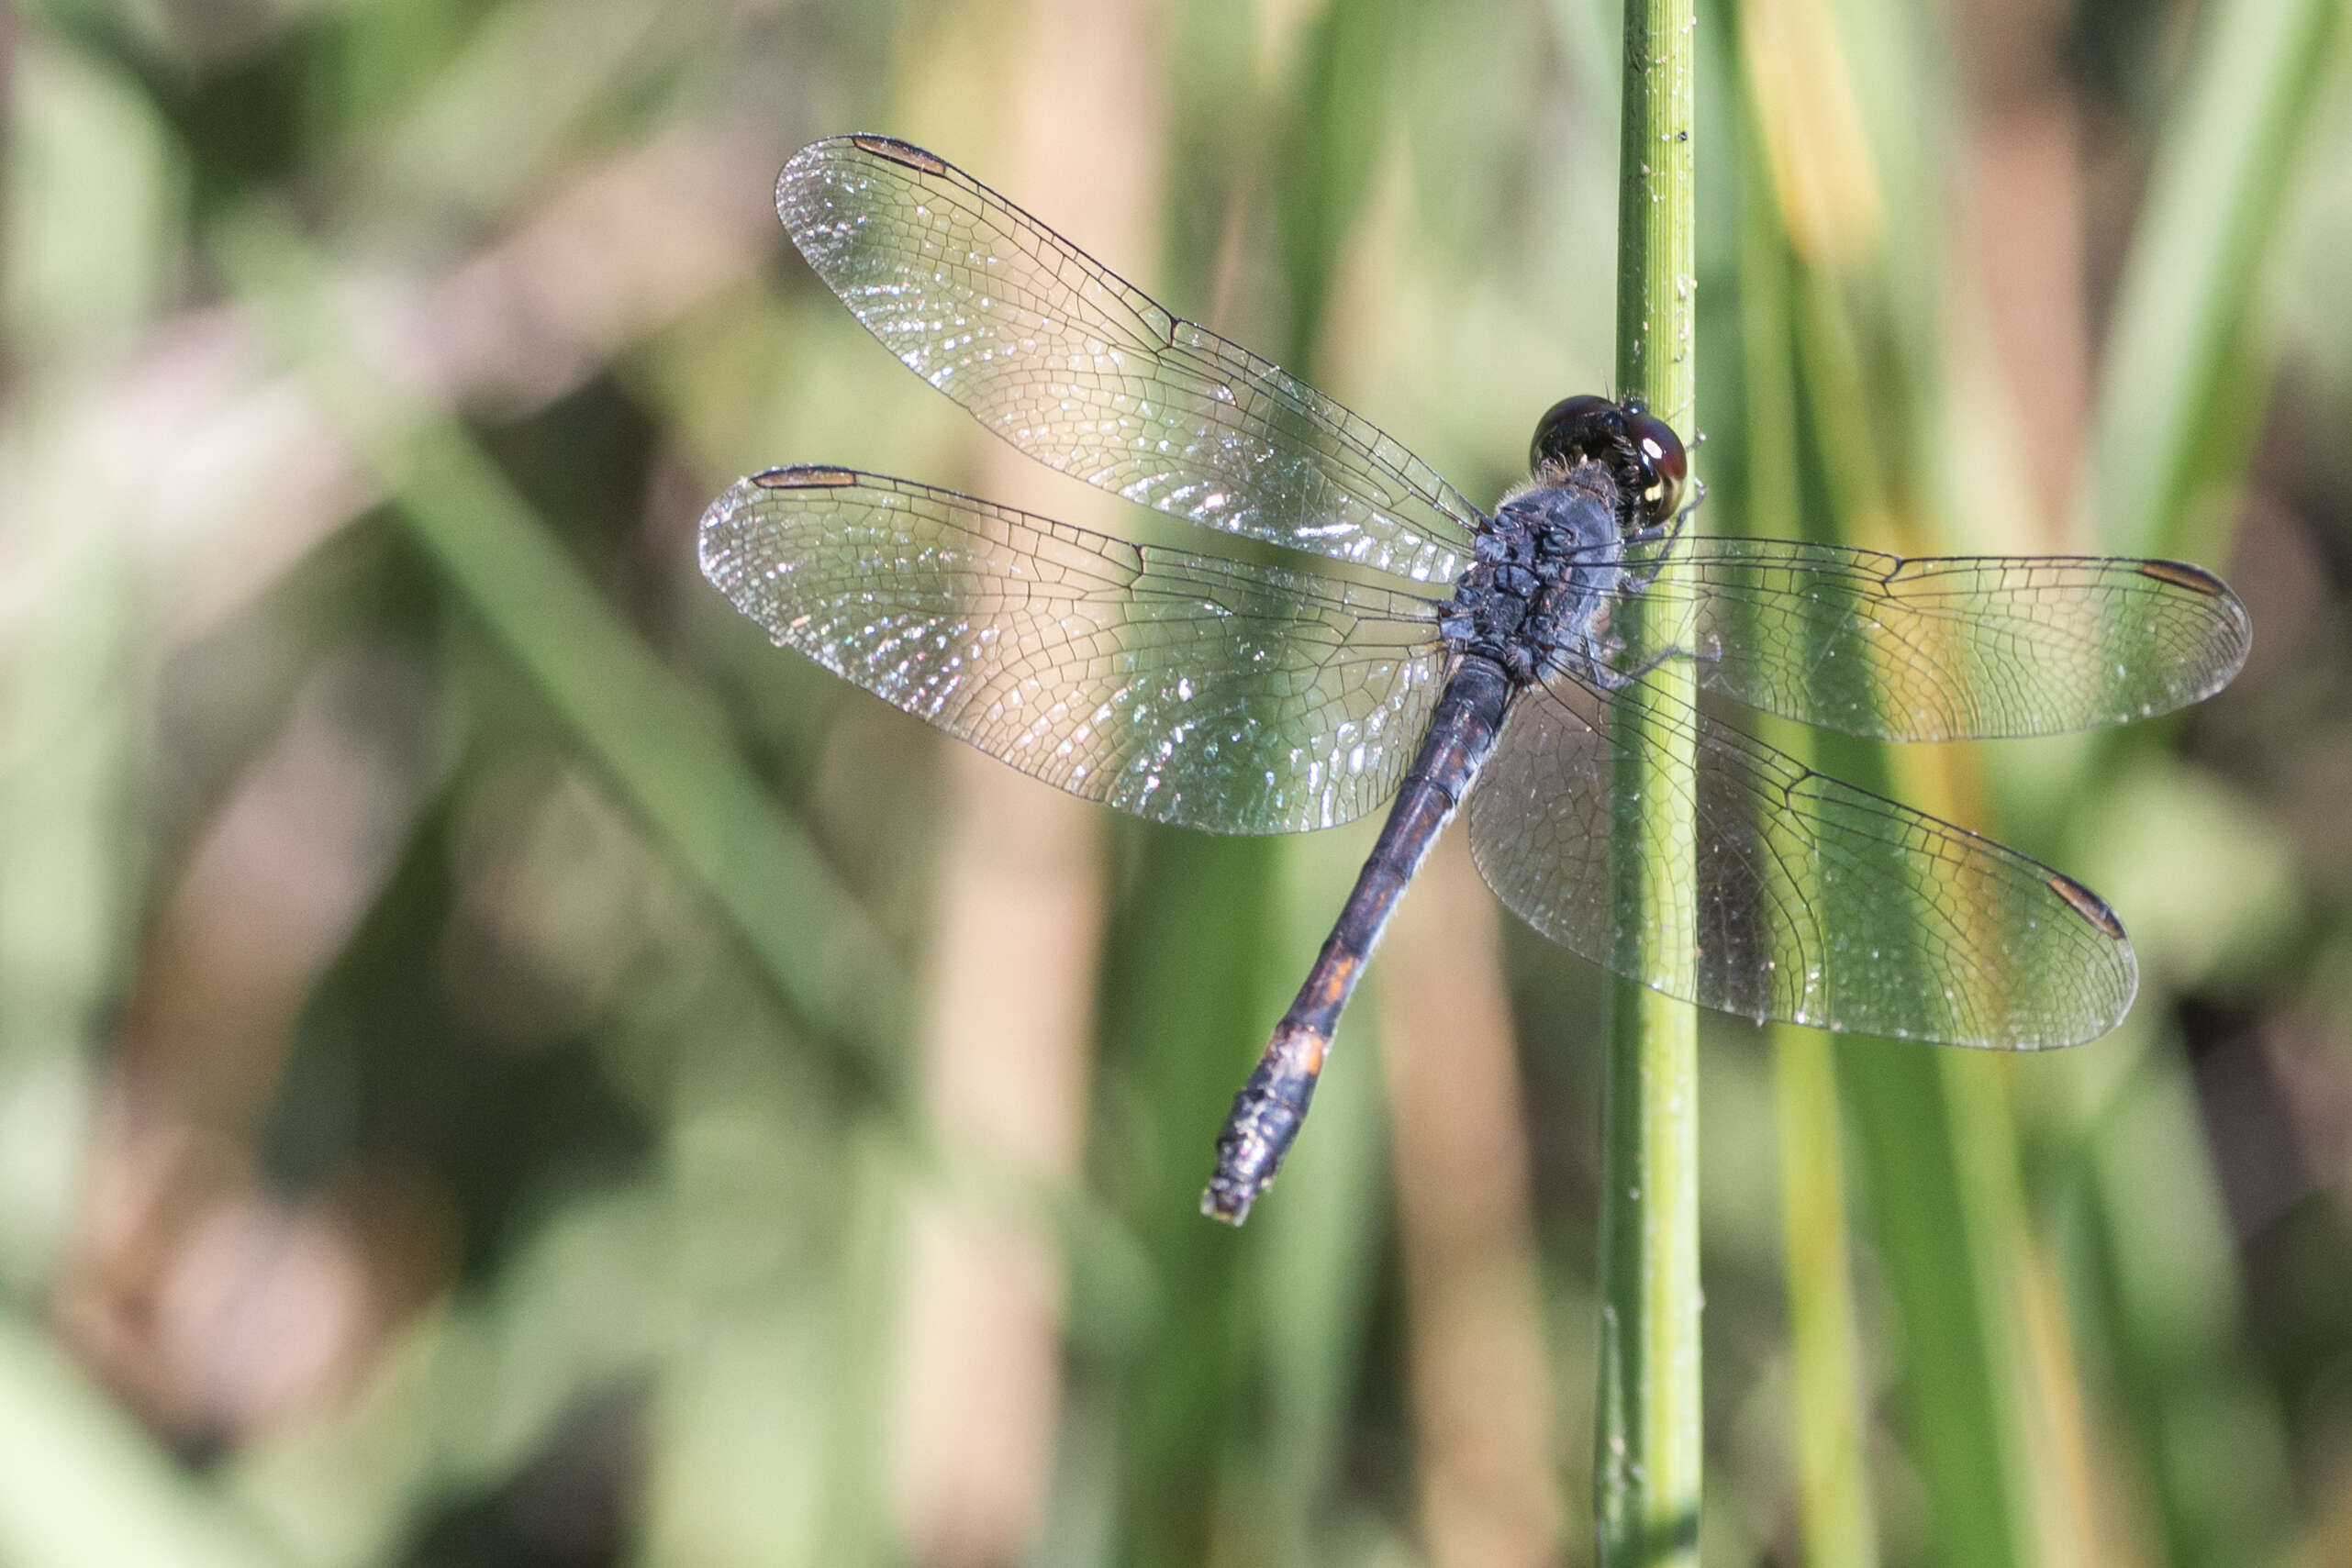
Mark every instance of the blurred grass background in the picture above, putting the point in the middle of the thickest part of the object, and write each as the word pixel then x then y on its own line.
pixel 497 1065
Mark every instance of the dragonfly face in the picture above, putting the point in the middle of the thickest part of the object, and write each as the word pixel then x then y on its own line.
pixel 1213 693
pixel 1641 450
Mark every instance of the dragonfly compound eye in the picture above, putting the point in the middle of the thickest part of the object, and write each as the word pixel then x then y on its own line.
pixel 1665 466
pixel 1577 426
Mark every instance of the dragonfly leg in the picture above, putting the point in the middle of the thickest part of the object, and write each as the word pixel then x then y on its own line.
pixel 1609 678
pixel 1698 493
pixel 1666 534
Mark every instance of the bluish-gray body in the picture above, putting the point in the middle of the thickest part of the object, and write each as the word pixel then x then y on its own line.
pixel 1531 604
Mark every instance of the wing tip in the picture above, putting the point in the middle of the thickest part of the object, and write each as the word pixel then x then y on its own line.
pixel 873 144
pixel 2087 904
pixel 2233 627
pixel 2097 913
pixel 810 162
pixel 718 535
pixel 2125 989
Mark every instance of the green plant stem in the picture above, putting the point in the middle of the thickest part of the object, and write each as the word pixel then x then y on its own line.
pixel 1647 1437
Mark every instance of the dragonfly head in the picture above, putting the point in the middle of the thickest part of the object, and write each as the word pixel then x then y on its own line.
pixel 1643 450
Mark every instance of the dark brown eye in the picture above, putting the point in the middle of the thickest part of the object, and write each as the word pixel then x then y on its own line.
pixel 1573 427
pixel 1665 465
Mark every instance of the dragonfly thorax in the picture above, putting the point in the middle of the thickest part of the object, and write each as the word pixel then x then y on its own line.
pixel 1543 567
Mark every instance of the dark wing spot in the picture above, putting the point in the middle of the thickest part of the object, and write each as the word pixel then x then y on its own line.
pixel 2088 905
pixel 804 476
pixel 898 151
pixel 2196 579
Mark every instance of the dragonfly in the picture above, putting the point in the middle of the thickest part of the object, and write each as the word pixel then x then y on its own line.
pixel 1413 650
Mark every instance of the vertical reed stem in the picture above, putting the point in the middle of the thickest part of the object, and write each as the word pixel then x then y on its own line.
pixel 1648 1448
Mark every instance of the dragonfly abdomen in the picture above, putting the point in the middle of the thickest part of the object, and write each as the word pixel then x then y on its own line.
pixel 1267 1112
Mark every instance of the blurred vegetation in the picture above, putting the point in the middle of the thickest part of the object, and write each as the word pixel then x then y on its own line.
pixel 474 1082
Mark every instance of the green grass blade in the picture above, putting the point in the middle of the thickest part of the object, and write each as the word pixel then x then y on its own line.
pixel 68 863
pixel 2166 417
pixel 1317 1260
pixel 2210 1433
pixel 649 731
pixel 2175 417
pixel 1933 1141
pixel 86 1489
pixel 1177 1048
pixel 1834 1501
pixel 1824 1348
pixel 1923 1118
pixel 1648 1434
pixel 1317 1265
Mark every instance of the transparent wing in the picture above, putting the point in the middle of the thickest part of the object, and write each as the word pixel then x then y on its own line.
pixel 1183 688
pixel 1936 649
pixel 1818 903
pixel 1050 350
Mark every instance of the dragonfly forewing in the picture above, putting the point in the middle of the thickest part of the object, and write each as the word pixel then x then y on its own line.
pixel 1060 356
pixel 1188 689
